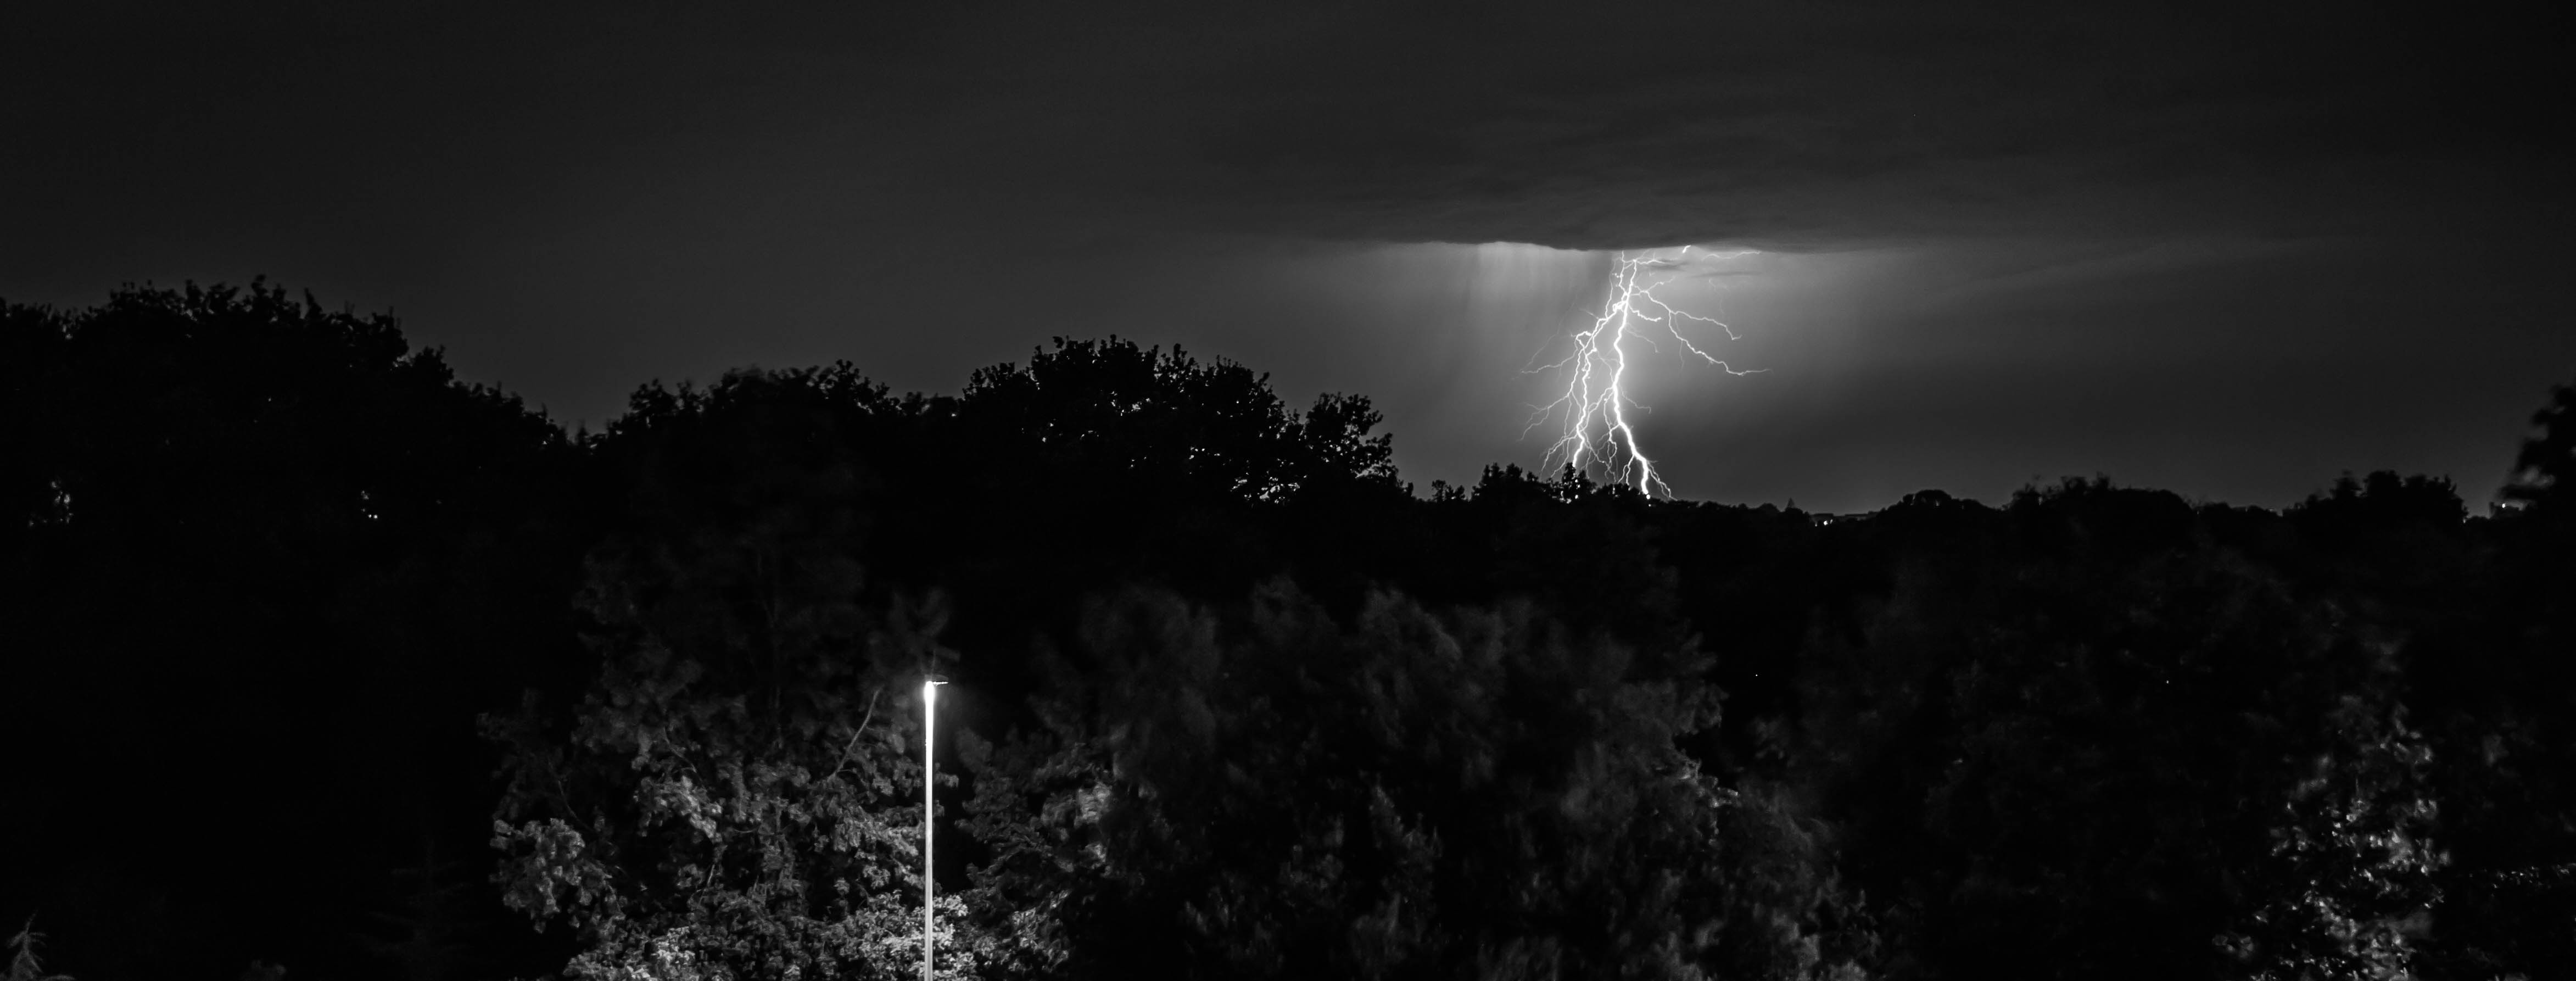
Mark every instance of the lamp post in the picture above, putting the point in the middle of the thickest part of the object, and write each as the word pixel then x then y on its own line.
pixel 929 720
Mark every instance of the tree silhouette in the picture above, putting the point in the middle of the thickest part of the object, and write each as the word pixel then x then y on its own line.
pixel 1232 700
pixel 277 543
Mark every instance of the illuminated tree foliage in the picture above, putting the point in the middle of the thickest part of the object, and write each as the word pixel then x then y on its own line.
pixel 711 818
pixel 733 797
pixel 1483 793
pixel 23 964
pixel 2351 884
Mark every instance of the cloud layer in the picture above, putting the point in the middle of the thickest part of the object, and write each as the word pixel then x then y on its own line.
pixel 2233 247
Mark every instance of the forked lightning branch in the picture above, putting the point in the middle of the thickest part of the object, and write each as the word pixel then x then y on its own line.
pixel 1599 435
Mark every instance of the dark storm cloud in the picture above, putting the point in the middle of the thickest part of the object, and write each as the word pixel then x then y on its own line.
pixel 1575 125
pixel 1801 124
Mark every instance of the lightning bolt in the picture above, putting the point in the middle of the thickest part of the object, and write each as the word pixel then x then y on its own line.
pixel 1597 434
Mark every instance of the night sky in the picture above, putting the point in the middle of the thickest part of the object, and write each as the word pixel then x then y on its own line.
pixel 2227 249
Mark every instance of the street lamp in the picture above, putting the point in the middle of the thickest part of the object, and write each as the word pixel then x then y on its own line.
pixel 929 720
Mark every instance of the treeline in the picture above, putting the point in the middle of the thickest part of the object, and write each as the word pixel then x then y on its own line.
pixel 321 658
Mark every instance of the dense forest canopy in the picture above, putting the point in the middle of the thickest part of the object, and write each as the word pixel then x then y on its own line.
pixel 324 661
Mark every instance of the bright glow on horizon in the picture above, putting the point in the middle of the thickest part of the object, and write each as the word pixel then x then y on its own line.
pixel 1597 432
